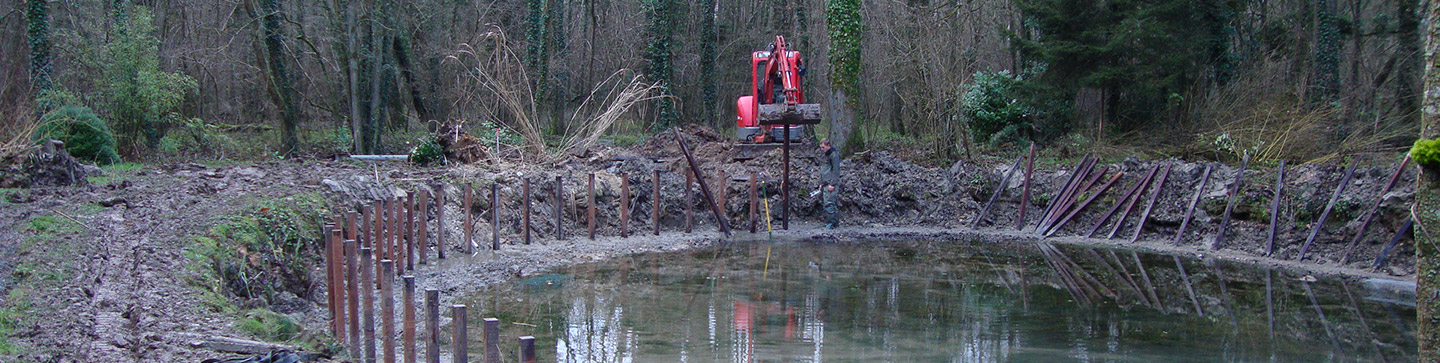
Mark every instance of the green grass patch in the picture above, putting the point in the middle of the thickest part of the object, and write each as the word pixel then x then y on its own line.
pixel 268 325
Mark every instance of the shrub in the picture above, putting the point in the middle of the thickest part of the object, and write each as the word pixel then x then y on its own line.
pixel 429 151
pixel 999 107
pixel 143 100
pixel 85 135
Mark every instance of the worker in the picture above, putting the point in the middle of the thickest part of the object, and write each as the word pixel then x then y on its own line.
pixel 830 183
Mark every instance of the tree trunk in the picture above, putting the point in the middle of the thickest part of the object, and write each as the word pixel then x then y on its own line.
pixel 1407 82
pixel 275 49
pixel 361 143
pixel 37 16
pixel 377 39
pixel 1427 199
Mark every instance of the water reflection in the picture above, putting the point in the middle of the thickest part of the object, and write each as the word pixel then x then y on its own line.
pixel 958 302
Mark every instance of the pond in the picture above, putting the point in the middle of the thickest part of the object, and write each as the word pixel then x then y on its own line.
pixel 913 301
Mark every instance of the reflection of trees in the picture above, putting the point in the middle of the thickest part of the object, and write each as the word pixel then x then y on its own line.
pixel 929 302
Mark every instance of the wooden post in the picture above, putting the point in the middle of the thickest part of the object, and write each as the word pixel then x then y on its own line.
pixel 1126 200
pixel 559 209
pixel 351 229
pixel 337 284
pixel 492 340
pixel 1145 216
pixel 352 295
pixel 1064 189
pixel 494 216
pixel 655 201
pixel 432 326
pixel 1190 212
pixel 1230 205
pixel 527 349
pixel 1320 224
pixel 459 341
pixel 1275 208
pixel 440 223
pixel 387 310
pixel 1134 199
pixel 1025 193
pixel 397 253
pixel 624 207
pixel 408 330
pixel 422 242
pixel 410 231
pixel 469 219
pixel 525 214
pixel 590 206
pixel 365 226
pixel 704 188
pixel 1081 207
pixel 325 230
pixel 367 301
pixel 754 223
pixel 996 195
pixel 689 201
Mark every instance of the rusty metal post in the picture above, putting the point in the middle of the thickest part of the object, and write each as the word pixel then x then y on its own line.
pixel 655 201
pixel 720 197
pixel 492 340
pixel 754 223
pixel 397 252
pixel 367 301
pixel 1235 191
pixel 1004 182
pixel 352 295
pixel 689 201
pixel 422 233
pixel 407 332
pixel 468 207
pixel 1134 200
pixel 1275 208
pixel 559 209
pixel 459 341
pixel 432 326
pixel 351 229
pixel 1370 215
pixel 704 188
pixel 1149 206
pixel 387 310
pixel 1320 224
pixel 525 214
pixel 440 223
pixel 1190 212
pixel 624 206
pixel 325 230
pixel 1025 191
pixel 494 216
pixel 590 206
pixel 527 349
pixel 785 182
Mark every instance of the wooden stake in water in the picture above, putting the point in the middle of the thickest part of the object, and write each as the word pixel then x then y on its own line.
pixel 559 209
pixel 352 295
pixel 689 201
pixel 440 223
pixel 624 206
pixel 753 202
pixel 387 310
pixel 996 194
pixel 492 340
pixel 525 212
pixel 527 349
pixel 590 206
pixel 460 340
pixel 422 233
pixel 1149 206
pixel 655 201
pixel 367 301
pixel 432 326
pixel 494 216
pixel 1369 216
pixel 408 330
pixel 1025 190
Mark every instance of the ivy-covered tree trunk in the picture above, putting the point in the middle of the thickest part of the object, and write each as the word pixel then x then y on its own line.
pixel 1427 196
pixel 275 49
pixel 844 25
pixel 661 30
pixel 1327 52
pixel 707 64
pixel 537 54
pixel 37 30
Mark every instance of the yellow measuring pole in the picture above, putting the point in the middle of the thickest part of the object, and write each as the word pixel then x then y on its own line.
pixel 768 228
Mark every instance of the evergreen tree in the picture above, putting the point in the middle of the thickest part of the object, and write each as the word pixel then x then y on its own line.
pixel 1142 54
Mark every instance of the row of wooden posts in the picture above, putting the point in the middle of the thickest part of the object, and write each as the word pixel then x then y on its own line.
pixel 356 253
pixel 1083 181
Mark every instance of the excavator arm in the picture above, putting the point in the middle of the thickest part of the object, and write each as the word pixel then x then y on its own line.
pixel 791 111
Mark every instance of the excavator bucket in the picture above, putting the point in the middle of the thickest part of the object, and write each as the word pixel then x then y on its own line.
pixel 789 114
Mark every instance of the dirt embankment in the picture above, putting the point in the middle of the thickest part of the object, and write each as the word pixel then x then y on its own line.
pixel 131 294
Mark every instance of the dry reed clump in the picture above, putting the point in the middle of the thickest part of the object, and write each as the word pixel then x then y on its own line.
pixel 1267 117
pixel 500 88
pixel 16 131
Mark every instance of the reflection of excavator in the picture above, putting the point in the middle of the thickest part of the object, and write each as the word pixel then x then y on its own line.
pixel 777 98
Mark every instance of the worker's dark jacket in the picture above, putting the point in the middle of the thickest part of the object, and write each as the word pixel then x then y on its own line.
pixel 830 167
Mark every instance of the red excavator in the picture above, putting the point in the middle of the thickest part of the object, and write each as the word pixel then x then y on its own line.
pixel 777 98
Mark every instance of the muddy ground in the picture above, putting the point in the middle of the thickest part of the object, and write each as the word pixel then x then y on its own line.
pixel 127 293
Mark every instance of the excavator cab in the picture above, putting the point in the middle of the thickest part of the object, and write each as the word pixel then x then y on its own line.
pixel 777 98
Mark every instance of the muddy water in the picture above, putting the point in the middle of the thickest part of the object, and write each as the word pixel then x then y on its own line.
pixel 908 301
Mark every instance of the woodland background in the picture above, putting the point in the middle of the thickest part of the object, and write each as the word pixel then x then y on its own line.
pixel 1294 79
